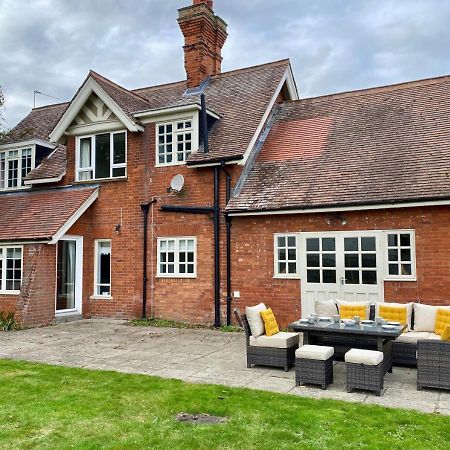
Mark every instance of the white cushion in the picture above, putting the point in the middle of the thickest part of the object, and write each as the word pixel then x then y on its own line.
pixel 409 308
pixel 425 316
pixel 283 339
pixel 254 319
pixel 318 352
pixel 412 336
pixel 359 356
pixel 434 336
pixel 326 308
pixel 366 304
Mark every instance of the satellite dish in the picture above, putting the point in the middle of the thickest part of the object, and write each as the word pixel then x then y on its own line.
pixel 177 183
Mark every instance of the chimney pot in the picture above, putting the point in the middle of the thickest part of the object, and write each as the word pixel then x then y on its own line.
pixel 208 2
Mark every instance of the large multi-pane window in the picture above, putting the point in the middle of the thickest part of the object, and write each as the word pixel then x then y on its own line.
pixel 102 267
pixel 174 141
pixel 177 257
pixel 15 165
pixel 10 269
pixel 101 156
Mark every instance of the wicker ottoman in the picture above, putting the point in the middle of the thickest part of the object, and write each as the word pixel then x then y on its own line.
pixel 364 370
pixel 314 365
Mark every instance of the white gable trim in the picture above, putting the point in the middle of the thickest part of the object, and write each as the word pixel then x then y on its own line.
pixel 341 208
pixel 27 144
pixel 77 104
pixel 45 180
pixel 81 210
pixel 288 78
pixel 155 115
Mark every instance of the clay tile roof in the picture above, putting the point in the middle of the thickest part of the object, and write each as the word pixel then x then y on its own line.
pixel 54 166
pixel 39 215
pixel 377 146
pixel 37 125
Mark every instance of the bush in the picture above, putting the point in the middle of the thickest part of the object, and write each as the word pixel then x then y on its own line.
pixel 8 321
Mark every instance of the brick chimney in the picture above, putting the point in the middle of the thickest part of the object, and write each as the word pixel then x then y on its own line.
pixel 204 36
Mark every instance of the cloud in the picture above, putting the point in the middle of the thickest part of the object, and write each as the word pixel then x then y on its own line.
pixel 334 45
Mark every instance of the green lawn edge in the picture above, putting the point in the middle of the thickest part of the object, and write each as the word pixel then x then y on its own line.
pixel 46 407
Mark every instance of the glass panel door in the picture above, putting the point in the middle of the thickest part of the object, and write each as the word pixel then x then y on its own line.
pixel 66 275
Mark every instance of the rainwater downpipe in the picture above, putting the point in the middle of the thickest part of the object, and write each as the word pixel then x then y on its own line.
pixel 228 243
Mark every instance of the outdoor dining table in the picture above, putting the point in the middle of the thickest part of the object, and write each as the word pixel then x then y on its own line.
pixel 343 336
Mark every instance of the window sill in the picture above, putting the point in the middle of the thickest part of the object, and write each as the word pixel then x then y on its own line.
pixel 101 180
pixel 9 292
pixel 287 277
pixel 400 279
pixel 101 297
pixel 181 163
pixel 177 277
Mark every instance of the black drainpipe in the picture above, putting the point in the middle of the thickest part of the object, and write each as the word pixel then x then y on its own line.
pixel 145 209
pixel 228 245
pixel 217 246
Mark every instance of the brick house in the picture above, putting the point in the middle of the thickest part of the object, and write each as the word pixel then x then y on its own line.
pixel 185 199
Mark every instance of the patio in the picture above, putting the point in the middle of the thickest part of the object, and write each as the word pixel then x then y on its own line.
pixel 197 356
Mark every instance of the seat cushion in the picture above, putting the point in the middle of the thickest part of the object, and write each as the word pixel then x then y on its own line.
pixel 411 337
pixel 317 352
pixel 326 308
pixel 254 319
pixel 445 336
pixel 283 339
pixel 395 312
pixel 270 323
pixel 367 357
pixel 425 316
pixel 442 320
pixel 434 336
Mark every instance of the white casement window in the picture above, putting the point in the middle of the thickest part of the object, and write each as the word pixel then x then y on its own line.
pixel 10 269
pixel 15 165
pixel 177 257
pixel 101 156
pixel 400 255
pixel 286 255
pixel 175 141
pixel 102 267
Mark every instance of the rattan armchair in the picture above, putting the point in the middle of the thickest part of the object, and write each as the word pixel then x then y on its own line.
pixel 433 364
pixel 265 356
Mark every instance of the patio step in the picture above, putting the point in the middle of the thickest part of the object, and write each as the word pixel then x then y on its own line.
pixel 68 318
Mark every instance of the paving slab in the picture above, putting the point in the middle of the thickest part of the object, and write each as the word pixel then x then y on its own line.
pixel 196 356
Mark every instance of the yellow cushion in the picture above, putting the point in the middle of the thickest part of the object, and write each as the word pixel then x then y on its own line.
pixel 394 313
pixel 349 311
pixel 270 323
pixel 445 336
pixel 442 320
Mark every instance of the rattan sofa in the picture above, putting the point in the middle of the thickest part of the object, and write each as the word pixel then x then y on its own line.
pixel 265 356
pixel 433 364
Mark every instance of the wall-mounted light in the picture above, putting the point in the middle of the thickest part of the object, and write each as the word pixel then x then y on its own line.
pixel 118 227
pixel 337 220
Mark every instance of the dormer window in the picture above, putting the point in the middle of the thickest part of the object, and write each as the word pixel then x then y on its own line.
pixel 175 141
pixel 101 156
pixel 15 165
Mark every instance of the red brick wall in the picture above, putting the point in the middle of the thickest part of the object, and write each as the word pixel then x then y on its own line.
pixel 253 256
pixel 35 305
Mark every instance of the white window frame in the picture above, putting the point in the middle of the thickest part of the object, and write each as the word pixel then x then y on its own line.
pixel 20 179
pixel 173 119
pixel 3 257
pixel 112 166
pixel 290 276
pixel 176 273
pixel 412 237
pixel 97 294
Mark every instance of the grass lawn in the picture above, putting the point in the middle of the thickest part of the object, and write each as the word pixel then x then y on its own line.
pixel 54 407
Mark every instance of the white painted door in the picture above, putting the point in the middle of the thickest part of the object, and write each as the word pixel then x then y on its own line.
pixel 69 270
pixel 343 265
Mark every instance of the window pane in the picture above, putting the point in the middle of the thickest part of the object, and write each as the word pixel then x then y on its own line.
pixel 312 245
pixel 406 269
pixel 351 260
pixel 369 277
pixel 368 244
pixel 281 241
pixel 292 267
pixel 329 276
pixel 328 244
pixel 85 153
pixel 292 254
pixel 291 241
pixel 351 244
pixel 392 240
pixel 329 260
pixel 393 269
pixel 119 148
pixel 312 260
pixel 369 260
pixel 282 267
pixel 119 172
pixel 405 254
pixel 102 156
pixel 393 254
pixel 282 254
pixel 405 240
pixel 313 276
pixel 351 277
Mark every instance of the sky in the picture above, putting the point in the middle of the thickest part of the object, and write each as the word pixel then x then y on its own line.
pixel 334 45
